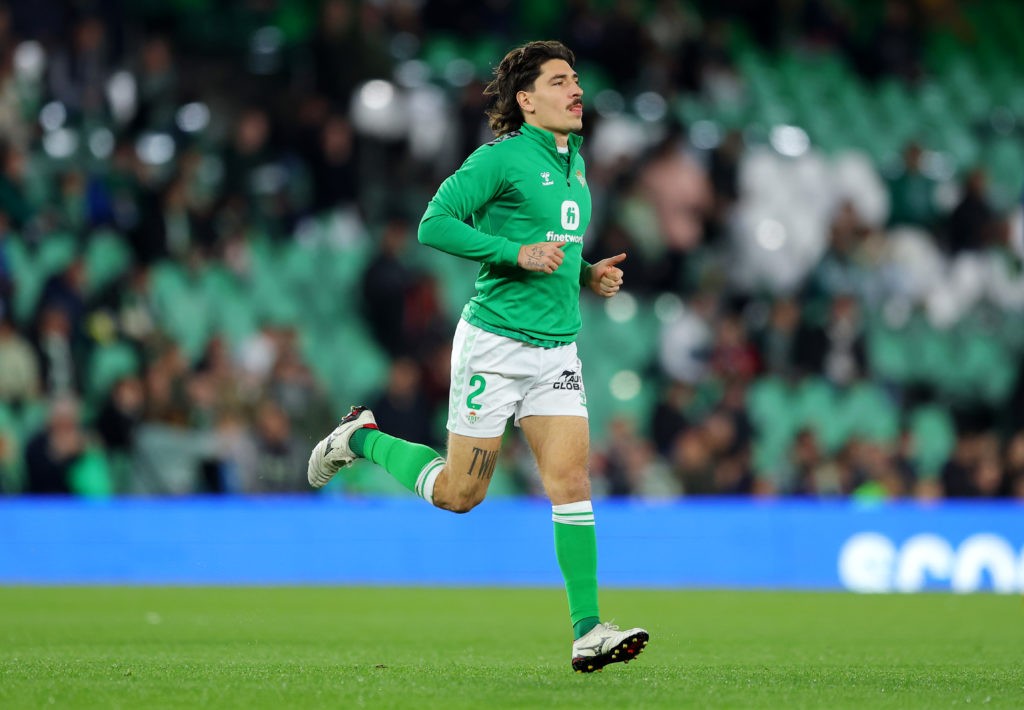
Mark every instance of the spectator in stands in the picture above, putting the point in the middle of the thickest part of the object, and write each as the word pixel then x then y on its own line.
pixel 837 348
pixel 58 353
pixel 51 453
pixel 912 193
pixel 732 354
pixel 693 462
pixel 349 47
pixel 628 466
pixel 843 268
pixel 14 201
pixel 678 190
pixel 777 341
pixel 334 166
pixel 973 217
pixel 723 171
pixel 78 72
pixel 250 149
pixel 129 303
pixel 20 382
pixel 1014 461
pixel 896 45
pixel 669 418
pixel 385 282
pixel 66 291
pixel 273 454
pixel 402 408
pixel 158 85
pixel 294 387
pixel 120 415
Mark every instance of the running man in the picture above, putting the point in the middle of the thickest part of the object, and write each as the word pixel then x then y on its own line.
pixel 514 351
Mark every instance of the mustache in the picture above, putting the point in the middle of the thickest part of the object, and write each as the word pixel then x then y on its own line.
pixel 577 102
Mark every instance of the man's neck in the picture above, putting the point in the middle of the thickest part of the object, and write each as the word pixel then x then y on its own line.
pixel 561 139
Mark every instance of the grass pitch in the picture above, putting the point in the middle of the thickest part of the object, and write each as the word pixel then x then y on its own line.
pixel 494 648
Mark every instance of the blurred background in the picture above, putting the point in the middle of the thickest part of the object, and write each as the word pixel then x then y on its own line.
pixel 207 240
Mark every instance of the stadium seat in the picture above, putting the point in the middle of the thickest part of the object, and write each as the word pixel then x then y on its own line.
pixel 183 307
pixel 988 367
pixel 888 359
pixel 818 407
pixel 55 252
pixel 771 405
pixel 868 412
pixel 934 436
pixel 107 364
pixel 106 258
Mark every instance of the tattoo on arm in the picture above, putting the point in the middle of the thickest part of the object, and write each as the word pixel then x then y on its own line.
pixel 483 464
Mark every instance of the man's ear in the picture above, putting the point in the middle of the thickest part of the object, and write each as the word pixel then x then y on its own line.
pixel 525 101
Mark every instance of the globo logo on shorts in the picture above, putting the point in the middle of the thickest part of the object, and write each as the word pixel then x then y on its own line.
pixel 871 562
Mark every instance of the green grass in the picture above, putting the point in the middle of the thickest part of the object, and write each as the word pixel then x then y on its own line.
pixel 489 648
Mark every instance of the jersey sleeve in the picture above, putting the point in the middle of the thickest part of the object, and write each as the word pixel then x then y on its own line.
pixel 585 273
pixel 477 182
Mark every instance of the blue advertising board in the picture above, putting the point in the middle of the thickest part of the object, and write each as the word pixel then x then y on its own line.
pixel 710 543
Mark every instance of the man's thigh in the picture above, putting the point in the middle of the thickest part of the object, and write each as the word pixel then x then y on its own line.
pixel 468 470
pixel 561 445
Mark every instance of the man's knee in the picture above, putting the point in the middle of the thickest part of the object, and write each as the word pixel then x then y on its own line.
pixel 568 485
pixel 458 503
pixel 455 499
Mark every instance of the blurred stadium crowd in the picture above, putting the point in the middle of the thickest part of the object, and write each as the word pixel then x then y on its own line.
pixel 207 239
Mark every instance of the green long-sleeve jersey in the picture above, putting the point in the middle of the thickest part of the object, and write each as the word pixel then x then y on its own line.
pixel 518 190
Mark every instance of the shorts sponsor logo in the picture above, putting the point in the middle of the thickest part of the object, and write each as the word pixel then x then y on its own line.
pixel 568 380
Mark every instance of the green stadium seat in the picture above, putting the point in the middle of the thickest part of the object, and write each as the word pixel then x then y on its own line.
pixel 934 437
pixel 817 408
pixel 771 406
pixel 107 364
pixel 183 308
pixel 107 257
pixel 56 251
pixel 868 412
pixel 31 420
pixel 887 353
pixel 988 367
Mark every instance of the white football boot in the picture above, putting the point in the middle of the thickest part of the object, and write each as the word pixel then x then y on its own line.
pixel 333 453
pixel 605 644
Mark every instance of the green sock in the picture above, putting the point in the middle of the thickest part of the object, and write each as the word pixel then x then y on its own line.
pixel 576 550
pixel 415 466
pixel 581 627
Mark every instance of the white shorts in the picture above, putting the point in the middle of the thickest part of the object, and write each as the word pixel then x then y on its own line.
pixel 494 377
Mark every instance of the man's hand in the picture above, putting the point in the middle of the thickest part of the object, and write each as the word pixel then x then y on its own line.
pixel 542 256
pixel 606 277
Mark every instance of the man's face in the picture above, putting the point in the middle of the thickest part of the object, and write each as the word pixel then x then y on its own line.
pixel 555 103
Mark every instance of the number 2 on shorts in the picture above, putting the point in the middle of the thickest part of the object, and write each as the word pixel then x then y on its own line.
pixel 479 383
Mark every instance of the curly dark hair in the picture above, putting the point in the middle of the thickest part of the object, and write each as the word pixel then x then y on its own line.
pixel 517 72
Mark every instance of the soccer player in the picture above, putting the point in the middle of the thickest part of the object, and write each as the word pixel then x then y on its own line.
pixel 514 351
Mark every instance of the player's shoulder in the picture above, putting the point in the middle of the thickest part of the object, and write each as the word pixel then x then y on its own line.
pixel 504 139
pixel 496 154
pixel 503 145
